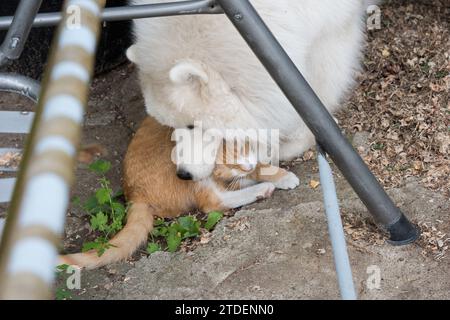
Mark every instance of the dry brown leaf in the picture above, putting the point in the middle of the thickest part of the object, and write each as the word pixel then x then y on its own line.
pixel 314 184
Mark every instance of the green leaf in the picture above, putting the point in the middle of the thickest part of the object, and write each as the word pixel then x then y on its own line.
pixel 92 245
pixel 101 250
pixel 99 221
pixel 119 210
pixel 156 232
pixel 186 222
pixel 100 245
pixel 153 247
pixel 100 166
pixel 91 204
pixel 103 195
pixel 158 222
pixel 177 227
pixel 160 231
pixel 189 225
pixel 63 294
pixel 115 226
pixel 62 267
pixel 213 218
pixel 173 240
pixel 76 202
pixel 190 235
pixel 118 194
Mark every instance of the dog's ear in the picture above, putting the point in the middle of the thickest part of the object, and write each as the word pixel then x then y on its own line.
pixel 186 71
pixel 131 54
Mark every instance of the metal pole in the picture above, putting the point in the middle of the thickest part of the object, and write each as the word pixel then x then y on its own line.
pixel 335 229
pixel 17 35
pixel 131 12
pixel 317 118
pixel 35 221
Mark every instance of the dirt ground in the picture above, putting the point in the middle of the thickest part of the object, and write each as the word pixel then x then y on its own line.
pixel 398 118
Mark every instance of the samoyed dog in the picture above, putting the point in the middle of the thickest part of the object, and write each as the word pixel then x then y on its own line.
pixel 198 68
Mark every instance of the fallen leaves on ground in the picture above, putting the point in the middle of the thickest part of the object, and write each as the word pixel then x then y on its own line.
pixel 433 241
pixel 403 95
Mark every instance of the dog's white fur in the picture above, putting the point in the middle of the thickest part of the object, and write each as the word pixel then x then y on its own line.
pixel 196 151
pixel 198 68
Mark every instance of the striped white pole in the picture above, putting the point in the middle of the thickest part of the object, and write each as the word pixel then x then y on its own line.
pixel 28 251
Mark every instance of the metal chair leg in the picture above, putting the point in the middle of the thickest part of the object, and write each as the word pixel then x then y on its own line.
pixel 335 229
pixel 318 119
pixel 17 35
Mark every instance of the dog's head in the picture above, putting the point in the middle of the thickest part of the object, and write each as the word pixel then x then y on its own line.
pixel 200 153
pixel 195 152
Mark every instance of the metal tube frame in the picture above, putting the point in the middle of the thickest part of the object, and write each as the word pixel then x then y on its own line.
pixel 289 79
pixel 130 12
pixel 21 85
pixel 335 228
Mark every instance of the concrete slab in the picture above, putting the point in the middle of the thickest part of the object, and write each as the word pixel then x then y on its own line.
pixel 283 252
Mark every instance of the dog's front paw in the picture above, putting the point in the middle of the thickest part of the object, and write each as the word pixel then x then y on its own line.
pixel 289 181
pixel 265 190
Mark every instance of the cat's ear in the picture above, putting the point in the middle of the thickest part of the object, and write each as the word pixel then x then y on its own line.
pixel 132 54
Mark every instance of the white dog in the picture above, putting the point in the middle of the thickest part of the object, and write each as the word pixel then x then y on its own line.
pixel 198 68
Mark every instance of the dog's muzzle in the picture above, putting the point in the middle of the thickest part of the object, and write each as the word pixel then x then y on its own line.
pixel 184 175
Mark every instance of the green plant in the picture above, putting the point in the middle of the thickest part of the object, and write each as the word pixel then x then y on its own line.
pixel 174 232
pixel 62 293
pixel 106 212
pixel 213 218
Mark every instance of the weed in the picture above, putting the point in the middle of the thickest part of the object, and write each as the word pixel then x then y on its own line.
pixel 173 233
pixel 106 212
pixel 61 292
pixel 213 219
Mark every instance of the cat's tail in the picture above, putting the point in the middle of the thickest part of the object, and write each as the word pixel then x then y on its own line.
pixel 123 244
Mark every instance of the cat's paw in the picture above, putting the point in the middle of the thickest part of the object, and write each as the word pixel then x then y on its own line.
pixel 265 190
pixel 287 182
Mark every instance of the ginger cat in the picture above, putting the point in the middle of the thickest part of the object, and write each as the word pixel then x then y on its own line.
pixel 153 189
